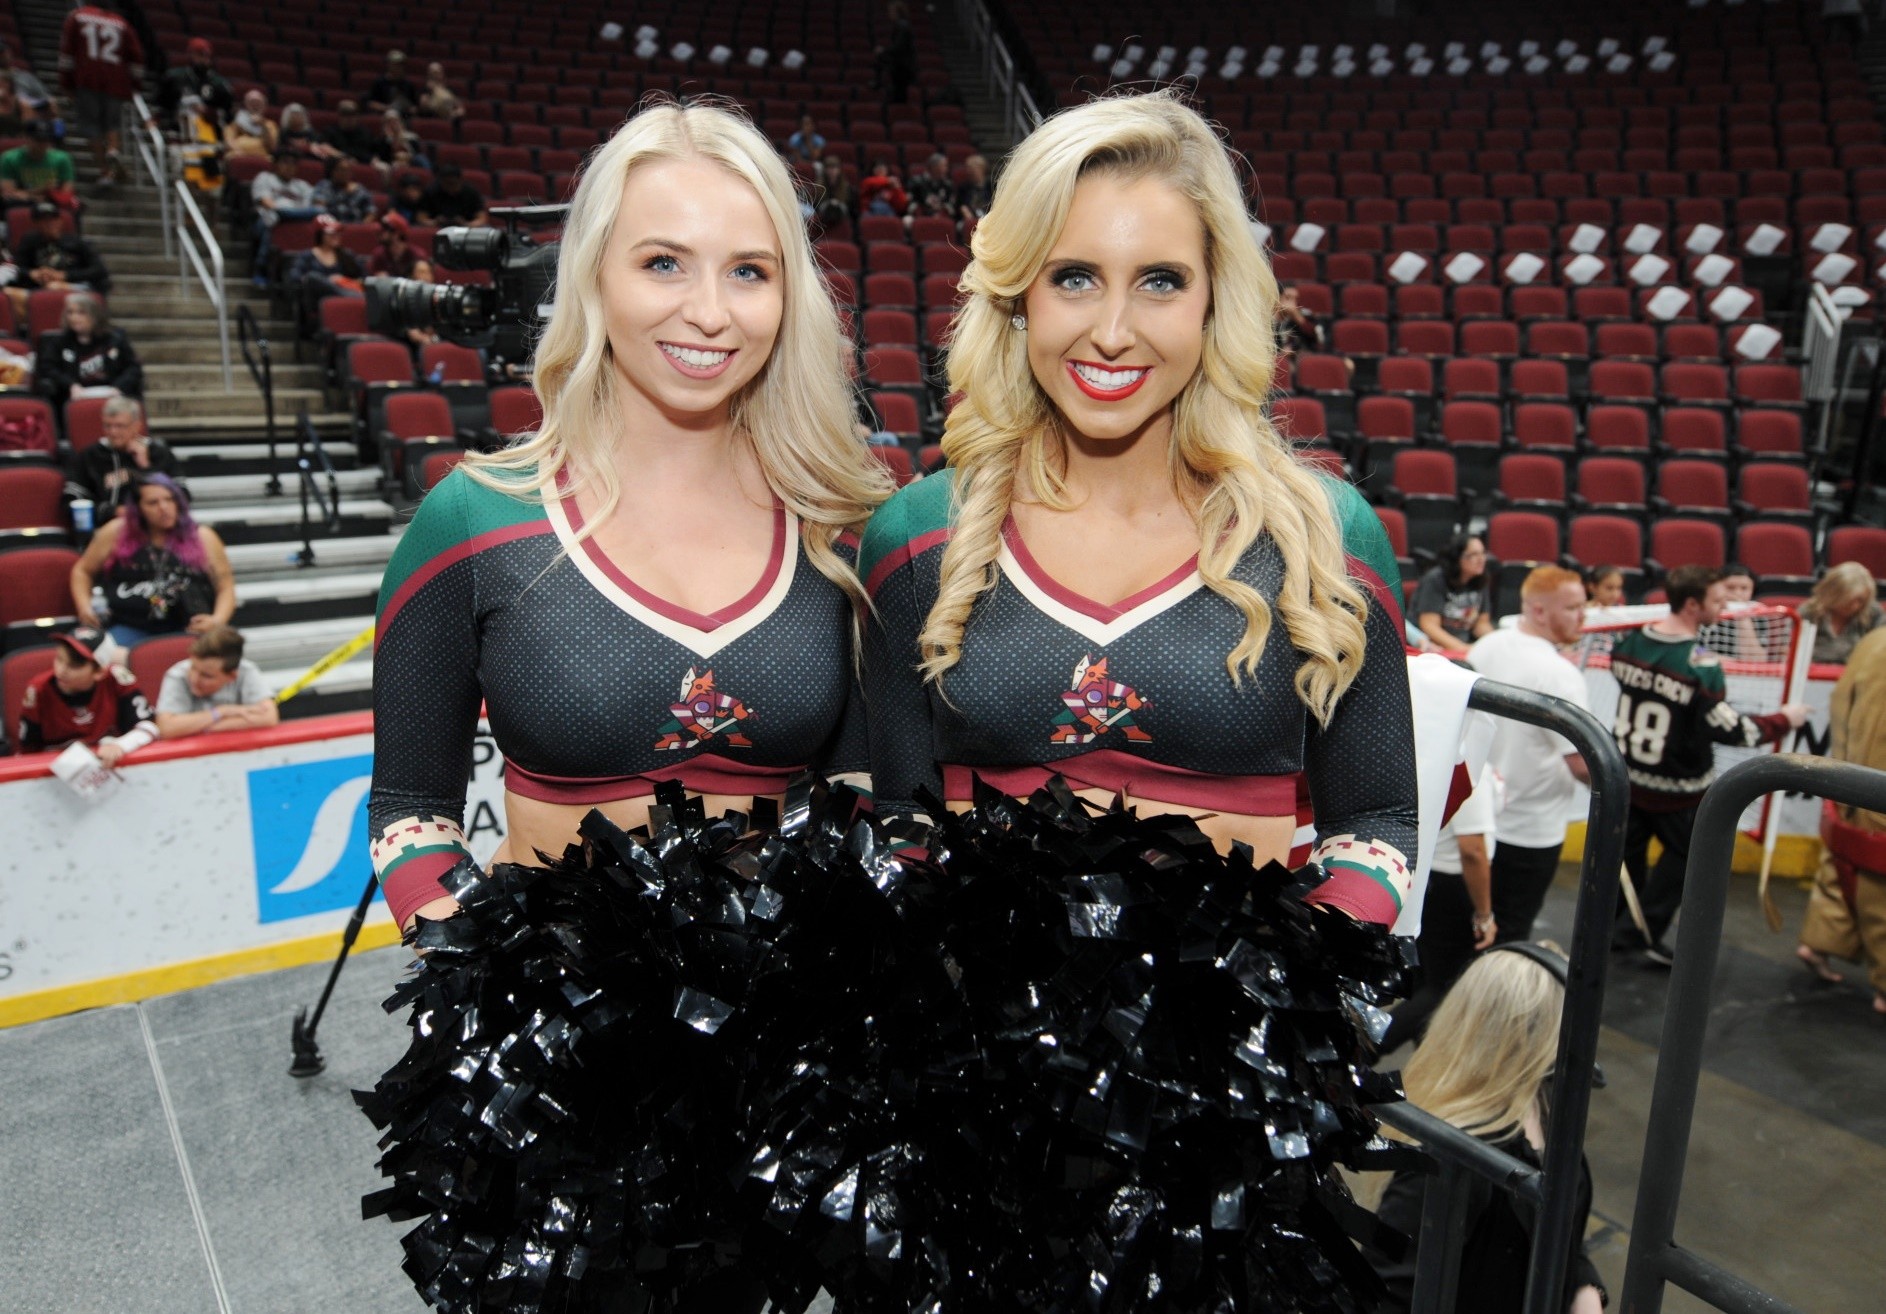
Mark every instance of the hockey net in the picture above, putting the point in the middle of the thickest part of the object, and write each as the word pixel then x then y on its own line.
pixel 1764 649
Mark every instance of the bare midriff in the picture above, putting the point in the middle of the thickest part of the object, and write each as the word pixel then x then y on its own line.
pixel 1269 837
pixel 534 826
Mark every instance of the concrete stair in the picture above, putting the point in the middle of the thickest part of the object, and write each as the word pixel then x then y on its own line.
pixel 292 614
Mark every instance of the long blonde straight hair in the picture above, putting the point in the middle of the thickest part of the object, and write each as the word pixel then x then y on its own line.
pixel 797 412
pixel 1226 457
pixel 1490 1045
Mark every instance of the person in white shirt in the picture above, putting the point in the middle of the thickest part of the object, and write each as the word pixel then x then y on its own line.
pixel 215 688
pixel 1540 769
pixel 1457 918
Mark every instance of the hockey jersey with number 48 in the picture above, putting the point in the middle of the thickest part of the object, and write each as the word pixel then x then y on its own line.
pixel 1673 709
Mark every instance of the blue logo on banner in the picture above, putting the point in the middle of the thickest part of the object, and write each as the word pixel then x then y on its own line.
pixel 309 826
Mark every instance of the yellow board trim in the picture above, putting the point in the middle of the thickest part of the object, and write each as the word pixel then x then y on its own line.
pixel 173 977
pixel 1797 857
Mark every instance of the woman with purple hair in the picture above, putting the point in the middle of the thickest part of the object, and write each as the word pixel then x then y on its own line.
pixel 162 573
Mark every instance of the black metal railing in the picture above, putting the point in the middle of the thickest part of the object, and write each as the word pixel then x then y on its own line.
pixel 1656 1259
pixel 1555 1187
pixel 261 363
pixel 311 461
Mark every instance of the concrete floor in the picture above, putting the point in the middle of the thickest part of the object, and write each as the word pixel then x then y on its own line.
pixel 158 1157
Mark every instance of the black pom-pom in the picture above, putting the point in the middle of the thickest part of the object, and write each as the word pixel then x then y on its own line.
pixel 1070 1060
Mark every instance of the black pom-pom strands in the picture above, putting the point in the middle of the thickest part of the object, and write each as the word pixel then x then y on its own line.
pixel 1038 1058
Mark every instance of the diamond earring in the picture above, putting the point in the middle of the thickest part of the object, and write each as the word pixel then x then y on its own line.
pixel 1018 323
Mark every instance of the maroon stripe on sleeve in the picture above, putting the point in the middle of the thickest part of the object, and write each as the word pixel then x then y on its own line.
pixel 896 557
pixel 451 557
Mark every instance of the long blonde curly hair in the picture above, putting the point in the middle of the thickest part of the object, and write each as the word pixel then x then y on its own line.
pixel 797 412
pixel 1229 463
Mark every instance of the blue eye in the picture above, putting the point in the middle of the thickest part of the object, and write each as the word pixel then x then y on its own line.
pixel 662 264
pixel 1164 280
pixel 750 274
pixel 1073 280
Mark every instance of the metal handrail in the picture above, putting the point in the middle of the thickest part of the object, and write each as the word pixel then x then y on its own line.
pixel 209 275
pixel 154 153
pixel 309 452
pixel 1655 1258
pixel 1556 1187
pixel 262 370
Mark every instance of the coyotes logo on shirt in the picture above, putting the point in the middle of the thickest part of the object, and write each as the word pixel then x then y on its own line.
pixel 703 715
pixel 1096 705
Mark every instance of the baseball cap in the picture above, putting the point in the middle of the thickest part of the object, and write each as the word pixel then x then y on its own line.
pixel 200 46
pixel 85 643
pixel 397 222
pixel 45 210
pixel 327 223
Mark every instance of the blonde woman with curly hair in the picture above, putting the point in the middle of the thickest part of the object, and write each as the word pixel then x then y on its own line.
pixel 1485 1066
pixel 1127 577
pixel 657 584
pixel 1845 609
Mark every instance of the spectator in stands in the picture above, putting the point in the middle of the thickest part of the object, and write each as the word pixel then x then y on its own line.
pixel 396 148
pixel 1846 913
pixel 87 355
pixel 408 192
pixel 438 100
pixel 30 89
pixel 976 194
pixel 1738 583
pixel 279 193
pixel 1457 917
pixel 1672 711
pixel 1298 330
pixel 896 57
pixel 1485 1068
pixel 881 192
pixel 328 268
pixel 1540 770
pixel 1453 605
pixel 38 171
pixel 109 468
pixel 452 201
pixel 395 257
pixel 101 66
pixel 1738 586
pixel 215 688
pixel 50 256
pixel 15 113
pixel 393 90
pixel 250 131
pixel 1604 587
pixel 420 338
pixel 85 698
pixel 1844 609
pixel 198 77
pixel 931 191
pixel 296 135
pixel 341 193
pixel 808 143
pixel 200 143
pixel 162 573
pixel 838 199
pixel 349 136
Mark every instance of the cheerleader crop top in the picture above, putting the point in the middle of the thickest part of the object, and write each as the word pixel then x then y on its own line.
pixel 595 688
pixel 1135 697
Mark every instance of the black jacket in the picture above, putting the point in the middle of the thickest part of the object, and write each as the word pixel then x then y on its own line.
pixel 72 255
pixel 97 463
pixel 206 83
pixel 1497 1245
pixel 106 361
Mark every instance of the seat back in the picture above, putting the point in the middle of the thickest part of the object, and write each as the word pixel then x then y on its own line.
pixel 1694 484
pixel 1773 548
pixel 31 497
pixel 34 583
pixel 1600 538
pixel 1774 486
pixel 1678 542
pixel 418 415
pixel 17 670
pixel 149 660
pixel 1514 536
pixel 1299 419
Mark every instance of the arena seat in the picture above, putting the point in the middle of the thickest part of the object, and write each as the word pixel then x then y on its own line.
pixel 1862 543
pixel 1774 490
pixel 32 505
pixel 1530 481
pixel 34 585
pixel 1519 541
pixel 17 670
pixel 149 660
pixel 1780 554
pixel 515 411
pixel 437 465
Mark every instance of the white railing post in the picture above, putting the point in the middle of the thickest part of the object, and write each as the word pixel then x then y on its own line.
pixel 141 130
pixel 192 228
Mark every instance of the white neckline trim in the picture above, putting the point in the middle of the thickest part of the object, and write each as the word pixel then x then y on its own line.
pixel 1091 627
pixel 702 643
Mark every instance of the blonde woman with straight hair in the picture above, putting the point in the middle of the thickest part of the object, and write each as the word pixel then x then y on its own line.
pixel 657 584
pixel 1484 1066
pixel 1128 577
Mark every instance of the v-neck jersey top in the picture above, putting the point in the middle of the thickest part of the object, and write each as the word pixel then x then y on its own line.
pixel 1135 697
pixel 596 689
